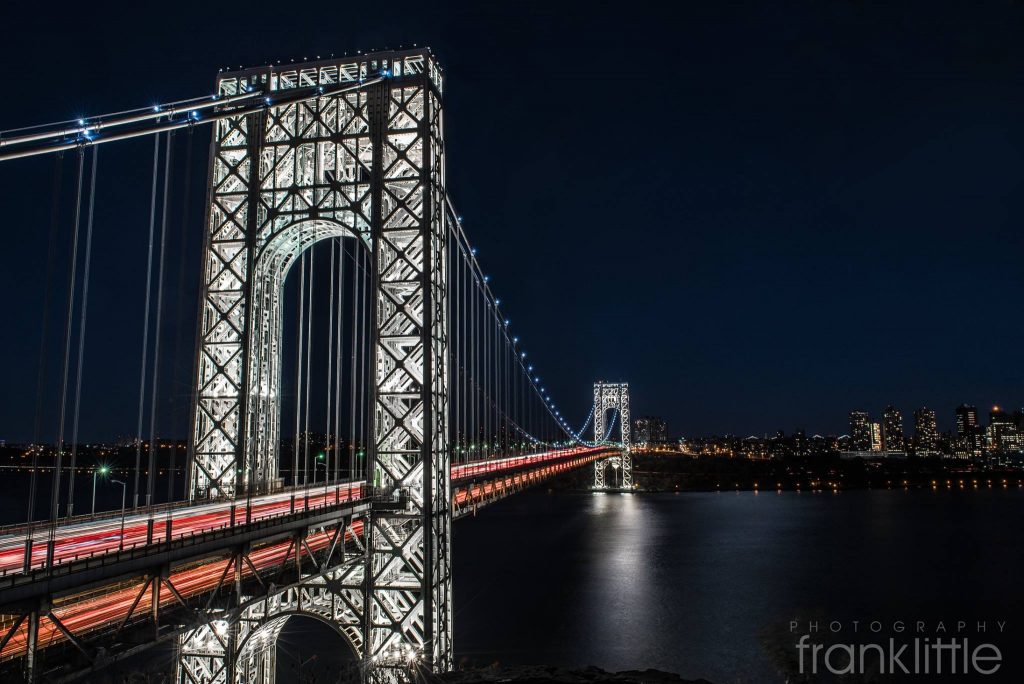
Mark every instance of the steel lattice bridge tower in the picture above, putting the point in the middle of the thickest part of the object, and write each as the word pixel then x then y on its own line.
pixel 613 396
pixel 369 165
pixel 343 148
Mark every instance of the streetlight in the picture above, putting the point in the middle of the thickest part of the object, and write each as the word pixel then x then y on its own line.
pixel 102 470
pixel 124 490
pixel 320 462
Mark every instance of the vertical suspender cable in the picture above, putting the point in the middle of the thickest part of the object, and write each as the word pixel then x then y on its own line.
pixel 475 350
pixel 506 392
pixel 59 462
pixel 299 330
pixel 356 253
pixel 465 360
pixel 496 384
pixel 204 247
pixel 309 369
pixel 463 318
pixel 456 320
pixel 369 299
pixel 488 372
pixel 338 359
pixel 486 368
pixel 81 330
pixel 180 304
pixel 450 351
pixel 151 474
pixel 471 379
pixel 51 258
pixel 455 313
pixel 145 321
pixel 330 370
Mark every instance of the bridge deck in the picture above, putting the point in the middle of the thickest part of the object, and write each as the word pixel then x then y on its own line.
pixel 101 589
pixel 86 537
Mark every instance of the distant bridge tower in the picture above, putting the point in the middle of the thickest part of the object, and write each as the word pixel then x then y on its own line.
pixel 613 396
pixel 364 160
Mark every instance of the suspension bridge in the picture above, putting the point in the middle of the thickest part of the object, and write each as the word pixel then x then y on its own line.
pixel 428 405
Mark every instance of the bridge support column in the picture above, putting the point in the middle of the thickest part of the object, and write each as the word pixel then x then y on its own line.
pixel 599 467
pixel 32 644
pixel 613 396
pixel 367 164
pixel 408 619
pixel 203 656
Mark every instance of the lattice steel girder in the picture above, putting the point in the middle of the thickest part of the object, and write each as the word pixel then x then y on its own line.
pixel 615 396
pixel 369 165
pixel 240 649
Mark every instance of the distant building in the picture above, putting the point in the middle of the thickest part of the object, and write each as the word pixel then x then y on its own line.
pixel 926 434
pixel 860 431
pixel 876 437
pixel 1002 435
pixel 892 430
pixel 970 438
pixel 650 429
pixel 966 419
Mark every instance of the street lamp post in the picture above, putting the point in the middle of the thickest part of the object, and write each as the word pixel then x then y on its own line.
pixel 320 463
pixel 124 490
pixel 102 470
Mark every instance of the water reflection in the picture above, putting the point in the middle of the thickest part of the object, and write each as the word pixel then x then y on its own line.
pixel 698 583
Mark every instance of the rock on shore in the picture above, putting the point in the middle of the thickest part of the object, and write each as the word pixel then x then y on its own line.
pixel 559 675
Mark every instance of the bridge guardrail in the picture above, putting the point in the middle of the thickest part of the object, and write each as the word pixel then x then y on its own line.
pixel 385 499
pixel 35 525
pixel 312 501
pixel 141 551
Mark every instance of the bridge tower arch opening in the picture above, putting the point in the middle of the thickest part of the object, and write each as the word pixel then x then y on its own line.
pixel 365 162
pixel 243 650
pixel 258 656
pixel 611 402
pixel 260 470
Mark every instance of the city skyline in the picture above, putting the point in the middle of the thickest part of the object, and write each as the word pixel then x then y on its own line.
pixel 946 422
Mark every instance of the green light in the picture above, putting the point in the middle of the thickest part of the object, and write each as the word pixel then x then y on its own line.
pixel 103 470
pixel 320 456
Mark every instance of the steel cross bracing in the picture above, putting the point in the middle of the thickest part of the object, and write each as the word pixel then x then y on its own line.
pixel 243 642
pixel 369 165
pixel 613 396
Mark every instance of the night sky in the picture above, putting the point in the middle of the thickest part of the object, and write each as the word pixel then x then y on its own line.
pixel 761 216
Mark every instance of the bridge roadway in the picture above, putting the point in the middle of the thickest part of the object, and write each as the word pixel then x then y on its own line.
pixel 96 602
pixel 89 536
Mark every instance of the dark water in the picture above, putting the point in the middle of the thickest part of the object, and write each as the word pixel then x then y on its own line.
pixel 705 584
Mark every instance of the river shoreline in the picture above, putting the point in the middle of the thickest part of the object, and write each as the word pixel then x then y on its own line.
pixel 678 473
pixel 560 675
